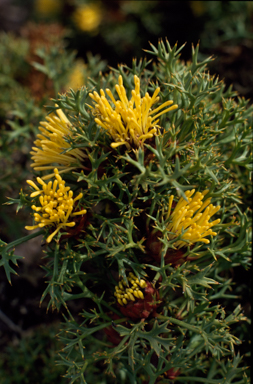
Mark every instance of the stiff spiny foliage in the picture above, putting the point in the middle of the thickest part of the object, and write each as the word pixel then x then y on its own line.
pixel 165 225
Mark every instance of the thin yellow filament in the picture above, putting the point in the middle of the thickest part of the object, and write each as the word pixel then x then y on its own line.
pixel 129 122
pixel 56 205
pixel 133 291
pixel 193 217
pixel 50 145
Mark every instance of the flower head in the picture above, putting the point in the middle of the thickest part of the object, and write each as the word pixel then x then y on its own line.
pixel 137 300
pixel 192 217
pixel 77 75
pixel 47 7
pixel 51 143
pixel 88 17
pixel 129 122
pixel 56 205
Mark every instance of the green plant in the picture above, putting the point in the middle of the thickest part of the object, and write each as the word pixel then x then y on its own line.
pixel 128 182
pixel 33 67
pixel 226 22
pixel 32 359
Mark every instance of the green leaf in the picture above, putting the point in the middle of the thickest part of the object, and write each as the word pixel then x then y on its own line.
pixel 7 253
pixel 156 337
pixel 7 257
pixel 22 201
pixel 201 279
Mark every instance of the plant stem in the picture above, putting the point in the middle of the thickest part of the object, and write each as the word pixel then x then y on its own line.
pixel 23 239
pixel 180 323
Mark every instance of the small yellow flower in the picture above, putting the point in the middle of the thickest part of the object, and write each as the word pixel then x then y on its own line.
pixel 126 293
pixel 56 205
pixel 47 7
pixel 88 17
pixel 47 153
pixel 193 216
pixel 77 76
pixel 130 122
pixel 198 8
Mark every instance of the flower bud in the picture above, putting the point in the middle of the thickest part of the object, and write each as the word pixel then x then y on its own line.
pixel 138 300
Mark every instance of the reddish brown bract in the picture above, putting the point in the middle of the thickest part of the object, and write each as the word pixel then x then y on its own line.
pixel 142 308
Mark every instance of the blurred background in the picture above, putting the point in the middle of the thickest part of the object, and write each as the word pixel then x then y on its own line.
pixel 46 47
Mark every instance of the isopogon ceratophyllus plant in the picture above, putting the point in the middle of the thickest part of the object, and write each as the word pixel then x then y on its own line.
pixel 137 191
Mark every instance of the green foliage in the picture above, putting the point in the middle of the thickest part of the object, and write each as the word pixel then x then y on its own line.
pixel 226 22
pixel 56 64
pixel 22 106
pixel 32 360
pixel 204 144
pixel 12 69
pixel 7 253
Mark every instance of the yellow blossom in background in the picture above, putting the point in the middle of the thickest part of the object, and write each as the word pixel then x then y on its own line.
pixel 129 122
pixel 193 216
pixel 56 205
pixel 198 7
pixel 47 7
pixel 77 76
pixel 88 17
pixel 50 143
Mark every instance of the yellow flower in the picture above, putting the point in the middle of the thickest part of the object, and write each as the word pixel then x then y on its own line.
pixel 132 121
pixel 193 216
pixel 47 7
pixel 130 293
pixel 88 17
pixel 76 77
pixel 51 143
pixel 56 205
pixel 198 7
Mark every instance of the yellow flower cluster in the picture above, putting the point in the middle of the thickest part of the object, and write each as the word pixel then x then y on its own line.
pixel 76 77
pixel 56 205
pixel 125 294
pixel 132 121
pixel 193 217
pixel 47 7
pixel 88 17
pixel 51 143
